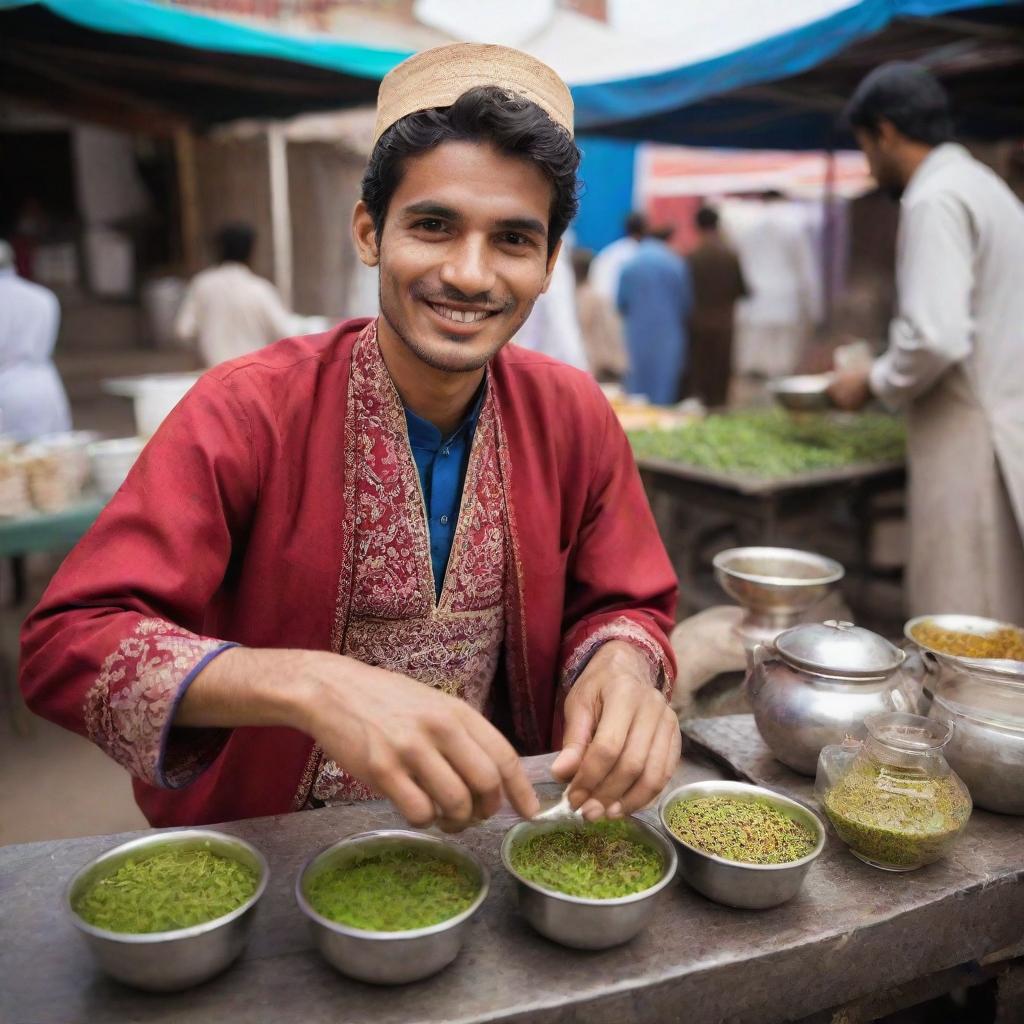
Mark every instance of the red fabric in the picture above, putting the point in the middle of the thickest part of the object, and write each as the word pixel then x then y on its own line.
pixel 232 525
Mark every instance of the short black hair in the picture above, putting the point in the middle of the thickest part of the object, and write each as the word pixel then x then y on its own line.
pixel 908 96
pixel 234 242
pixel 511 123
pixel 636 224
pixel 706 219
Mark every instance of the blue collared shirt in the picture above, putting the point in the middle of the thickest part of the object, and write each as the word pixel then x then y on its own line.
pixel 441 463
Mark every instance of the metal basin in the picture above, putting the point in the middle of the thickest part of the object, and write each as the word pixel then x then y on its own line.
pixel 803 393
pixel 776 586
pixel 734 884
pixel 174 960
pixel 575 920
pixel 388 958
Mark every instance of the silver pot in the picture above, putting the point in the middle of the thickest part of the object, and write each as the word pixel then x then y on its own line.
pixel 170 961
pixel 987 748
pixel 389 958
pixel 817 682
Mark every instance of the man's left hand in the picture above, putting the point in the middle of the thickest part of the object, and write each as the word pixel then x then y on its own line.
pixel 850 390
pixel 622 740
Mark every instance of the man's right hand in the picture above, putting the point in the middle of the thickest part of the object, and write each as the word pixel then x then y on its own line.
pixel 433 756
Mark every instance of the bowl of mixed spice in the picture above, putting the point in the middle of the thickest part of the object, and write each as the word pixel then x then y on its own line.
pixel 588 885
pixel 168 910
pixel 391 906
pixel 741 845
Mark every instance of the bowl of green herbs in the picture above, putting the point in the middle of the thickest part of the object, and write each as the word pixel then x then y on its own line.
pixel 391 906
pixel 589 885
pixel 168 910
pixel 741 845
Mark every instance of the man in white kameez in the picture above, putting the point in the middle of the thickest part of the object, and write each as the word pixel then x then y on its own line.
pixel 955 359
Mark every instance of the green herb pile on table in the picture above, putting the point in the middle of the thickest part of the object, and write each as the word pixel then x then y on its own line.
pixel 600 860
pixel 175 888
pixel 394 891
pixel 748 831
pixel 773 443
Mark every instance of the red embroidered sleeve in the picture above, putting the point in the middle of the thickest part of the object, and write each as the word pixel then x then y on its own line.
pixel 621 628
pixel 129 708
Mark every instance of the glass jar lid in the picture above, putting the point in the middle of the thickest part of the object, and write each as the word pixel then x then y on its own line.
pixel 841 649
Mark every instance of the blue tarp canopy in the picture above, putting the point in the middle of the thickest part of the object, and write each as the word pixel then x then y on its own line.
pixel 785 92
pixel 140 62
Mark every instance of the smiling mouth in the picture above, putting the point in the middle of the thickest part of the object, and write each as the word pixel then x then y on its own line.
pixel 461 316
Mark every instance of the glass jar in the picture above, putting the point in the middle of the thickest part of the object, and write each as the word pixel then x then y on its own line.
pixel 892 798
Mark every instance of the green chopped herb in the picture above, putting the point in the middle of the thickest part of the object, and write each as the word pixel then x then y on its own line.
pixel 598 860
pixel 394 891
pixel 173 888
pixel 748 831
pixel 772 443
pixel 896 817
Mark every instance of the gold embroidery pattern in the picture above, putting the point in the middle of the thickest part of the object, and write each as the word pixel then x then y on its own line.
pixel 127 709
pixel 622 628
pixel 393 620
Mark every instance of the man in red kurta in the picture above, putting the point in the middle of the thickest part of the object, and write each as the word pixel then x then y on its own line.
pixel 268 616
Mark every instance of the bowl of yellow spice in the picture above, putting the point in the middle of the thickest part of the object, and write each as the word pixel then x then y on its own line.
pixel 741 845
pixel 588 885
pixel 391 906
pixel 168 910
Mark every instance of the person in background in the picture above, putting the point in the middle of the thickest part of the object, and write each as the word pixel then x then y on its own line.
pixel 230 310
pixel 553 328
pixel 718 285
pixel 600 325
pixel 32 397
pixel 775 322
pixel 655 298
pixel 608 263
pixel 955 360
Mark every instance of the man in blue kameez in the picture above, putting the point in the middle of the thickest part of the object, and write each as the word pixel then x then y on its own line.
pixel 655 298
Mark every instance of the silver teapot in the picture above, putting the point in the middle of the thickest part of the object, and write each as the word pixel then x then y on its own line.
pixel 816 683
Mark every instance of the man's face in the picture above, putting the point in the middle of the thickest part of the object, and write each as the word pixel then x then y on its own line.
pixel 880 152
pixel 463 254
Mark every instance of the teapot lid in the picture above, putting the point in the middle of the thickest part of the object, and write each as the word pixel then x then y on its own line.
pixel 839 649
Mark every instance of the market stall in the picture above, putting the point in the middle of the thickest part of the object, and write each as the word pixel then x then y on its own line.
pixel 759 477
pixel 832 946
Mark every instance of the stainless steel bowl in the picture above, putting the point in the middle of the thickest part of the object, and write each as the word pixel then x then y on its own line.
pixel 775 585
pixel 802 393
pixel 575 920
pixel 747 886
pixel 388 958
pixel 174 960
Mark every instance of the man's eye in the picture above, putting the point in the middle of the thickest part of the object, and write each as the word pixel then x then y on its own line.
pixel 429 224
pixel 515 238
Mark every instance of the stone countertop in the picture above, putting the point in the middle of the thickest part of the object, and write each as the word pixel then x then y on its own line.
pixel 851 931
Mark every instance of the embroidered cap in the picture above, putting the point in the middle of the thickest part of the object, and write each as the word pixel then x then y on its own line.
pixel 439 76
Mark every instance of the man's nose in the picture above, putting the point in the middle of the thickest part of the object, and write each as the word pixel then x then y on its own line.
pixel 467 267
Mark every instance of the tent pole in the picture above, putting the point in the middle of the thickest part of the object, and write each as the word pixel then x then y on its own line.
pixel 280 211
pixel 829 236
pixel 188 198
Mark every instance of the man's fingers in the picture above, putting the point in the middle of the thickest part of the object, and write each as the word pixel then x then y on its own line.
pixel 409 799
pixel 664 756
pixel 606 746
pixel 443 785
pixel 636 752
pixel 520 793
pixel 479 772
pixel 579 728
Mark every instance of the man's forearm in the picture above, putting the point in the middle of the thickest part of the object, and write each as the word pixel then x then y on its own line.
pixel 249 686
